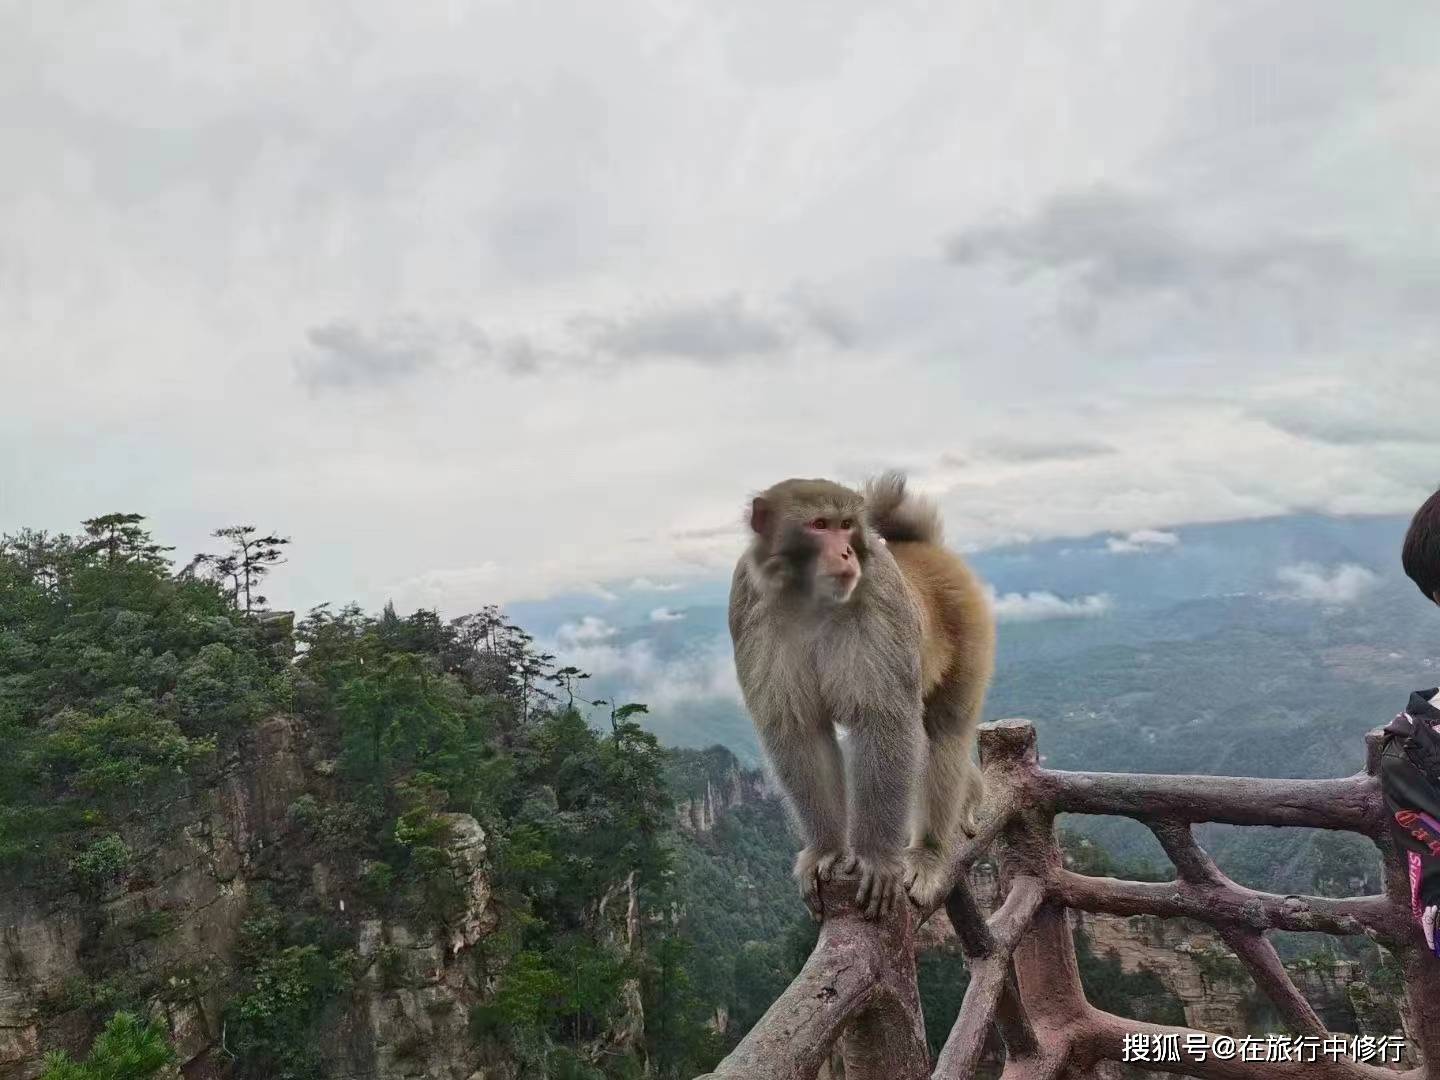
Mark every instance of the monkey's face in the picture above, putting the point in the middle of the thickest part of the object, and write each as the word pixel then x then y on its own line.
pixel 814 545
pixel 837 564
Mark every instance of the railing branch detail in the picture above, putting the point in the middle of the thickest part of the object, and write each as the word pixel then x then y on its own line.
pixel 990 978
pixel 858 988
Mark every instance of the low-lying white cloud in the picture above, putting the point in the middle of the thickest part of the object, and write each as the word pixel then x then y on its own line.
pixel 590 629
pixel 665 614
pixel 644 584
pixel 1035 606
pixel 1142 541
pixel 1335 586
pixel 634 671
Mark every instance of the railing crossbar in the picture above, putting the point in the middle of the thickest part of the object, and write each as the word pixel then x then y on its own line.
pixel 1024 978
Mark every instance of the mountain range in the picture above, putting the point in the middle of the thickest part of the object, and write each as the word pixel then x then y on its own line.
pixel 1262 647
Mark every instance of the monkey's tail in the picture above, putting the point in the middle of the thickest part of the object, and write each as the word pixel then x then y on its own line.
pixel 900 515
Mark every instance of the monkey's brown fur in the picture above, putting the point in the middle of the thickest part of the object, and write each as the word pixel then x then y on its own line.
pixel 901 663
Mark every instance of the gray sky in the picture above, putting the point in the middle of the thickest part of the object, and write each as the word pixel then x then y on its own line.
pixel 481 302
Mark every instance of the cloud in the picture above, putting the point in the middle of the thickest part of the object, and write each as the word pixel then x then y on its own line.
pixel 1351 414
pixel 1141 541
pixel 1137 280
pixel 633 671
pixel 707 532
pixel 665 614
pixel 1335 586
pixel 1029 451
pixel 467 588
pixel 501 330
pixel 589 630
pixel 719 331
pixel 346 355
pixel 644 584
pixel 1118 243
pixel 1036 606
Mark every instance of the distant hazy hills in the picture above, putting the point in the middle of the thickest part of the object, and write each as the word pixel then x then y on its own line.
pixel 1163 635
pixel 1259 647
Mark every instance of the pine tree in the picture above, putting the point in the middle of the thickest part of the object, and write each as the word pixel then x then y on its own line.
pixel 121 538
pixel 242 568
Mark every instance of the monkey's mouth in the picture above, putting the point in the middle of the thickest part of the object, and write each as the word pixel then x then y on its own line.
pixel 838 589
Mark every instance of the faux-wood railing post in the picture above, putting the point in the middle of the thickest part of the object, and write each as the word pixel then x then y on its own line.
pixel 858 986
pixel 886 1039
pixel 1047 972
pixel 858 989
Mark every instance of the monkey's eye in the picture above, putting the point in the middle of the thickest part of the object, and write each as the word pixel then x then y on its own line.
pixel 820 523
pixel 846 523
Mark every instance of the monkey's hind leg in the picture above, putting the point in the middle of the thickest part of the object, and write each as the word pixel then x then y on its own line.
pixel 947 810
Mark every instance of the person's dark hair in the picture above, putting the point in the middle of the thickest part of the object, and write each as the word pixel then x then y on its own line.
pixel 1421 554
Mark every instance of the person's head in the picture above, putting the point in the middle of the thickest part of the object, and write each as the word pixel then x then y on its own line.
pixel 1421 554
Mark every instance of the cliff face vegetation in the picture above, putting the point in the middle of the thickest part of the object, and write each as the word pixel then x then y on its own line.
pixel 357 847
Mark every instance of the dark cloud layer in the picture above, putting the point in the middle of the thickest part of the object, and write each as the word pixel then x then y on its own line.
pixel 714 332
pixel 1363 414
pixel 1023 451
pixel 1121 244
pixel 344 354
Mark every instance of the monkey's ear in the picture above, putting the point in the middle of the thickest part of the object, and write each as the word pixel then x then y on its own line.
pixel 759 514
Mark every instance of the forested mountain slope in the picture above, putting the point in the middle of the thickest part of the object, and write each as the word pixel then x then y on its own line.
pixel 399 852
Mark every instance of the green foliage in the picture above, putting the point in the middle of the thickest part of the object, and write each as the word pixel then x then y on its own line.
pixel 1084 856
pixel 241 569
pixel 1217 966
pixel 434 718
pixel 128 1049
pixel 120 682
pixel 679 1042
pixel 104 861
pixel 126 750
pixel 1344 864
pixel 760 973
pixel 1140 995
pixel 289 975
pixel 943 979
pixel 116 680
pixel 735 887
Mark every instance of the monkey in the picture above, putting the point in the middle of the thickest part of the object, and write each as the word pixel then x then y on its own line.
pixel 847 614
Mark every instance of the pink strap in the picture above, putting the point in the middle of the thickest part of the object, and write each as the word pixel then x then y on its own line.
pixel 1414 883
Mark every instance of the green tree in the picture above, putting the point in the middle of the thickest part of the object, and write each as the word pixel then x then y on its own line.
pixel 242 568
pixel 119 538
pixel 291 970
pixel 116 680
pixel 119 679
pixel 128 1049
pixel 677 1037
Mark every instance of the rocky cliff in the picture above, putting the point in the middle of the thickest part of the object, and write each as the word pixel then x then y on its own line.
pixel 737 787
pixel 167 934
pixel 710 782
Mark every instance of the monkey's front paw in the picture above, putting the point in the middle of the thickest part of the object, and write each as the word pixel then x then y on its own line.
pixel 925 877
pixel 881 882
pixel 812 866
